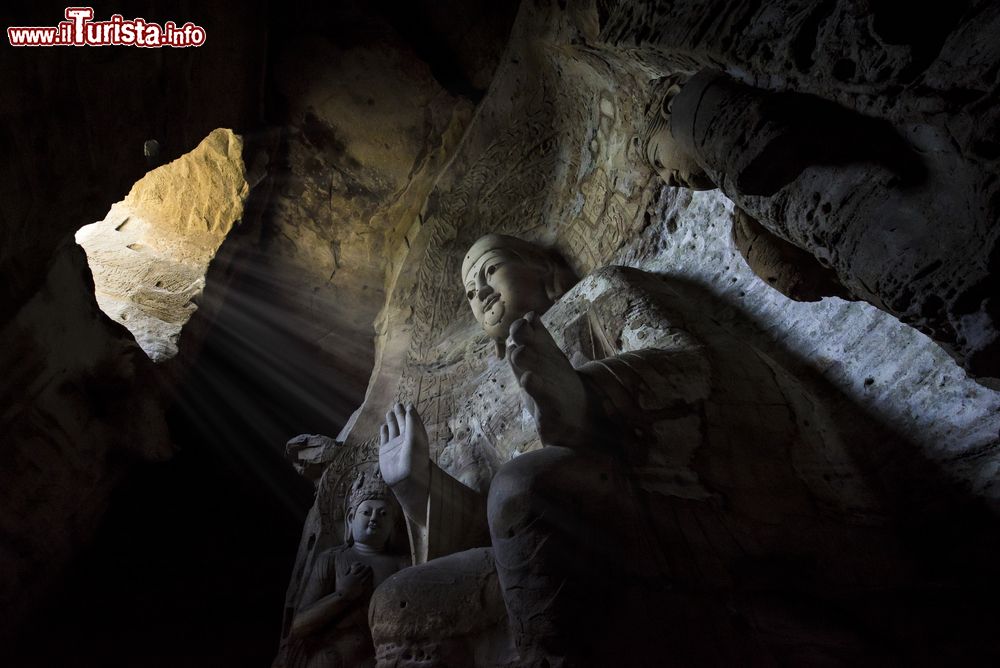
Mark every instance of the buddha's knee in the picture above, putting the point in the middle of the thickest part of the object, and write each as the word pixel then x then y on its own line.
pixel 416 621
pixel 520 488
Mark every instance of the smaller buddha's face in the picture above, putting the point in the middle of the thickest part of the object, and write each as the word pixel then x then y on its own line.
pixel 502 287
pixel 372 521
pixel 676 167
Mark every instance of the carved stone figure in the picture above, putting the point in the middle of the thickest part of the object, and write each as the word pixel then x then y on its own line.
pixel 448 612
pixel 672 453
pixel 505 278
pixel 330 628
pixel 788 269
pixel 676 167
pixel 885 206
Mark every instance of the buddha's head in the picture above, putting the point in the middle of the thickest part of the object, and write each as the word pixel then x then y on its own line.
pixel 665 154
pixel 371 512
pixel 506 278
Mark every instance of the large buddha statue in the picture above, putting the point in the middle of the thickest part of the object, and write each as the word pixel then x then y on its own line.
pixel 782 265
pixel 676 462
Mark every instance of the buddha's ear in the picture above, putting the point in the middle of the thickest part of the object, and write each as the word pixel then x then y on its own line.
pixel 553 288
pixel 348 536
pixel 501 348
pixel 664 111
pixel 558 281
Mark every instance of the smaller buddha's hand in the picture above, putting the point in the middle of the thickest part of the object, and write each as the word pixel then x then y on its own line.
pixel 404 458
pixel 355 580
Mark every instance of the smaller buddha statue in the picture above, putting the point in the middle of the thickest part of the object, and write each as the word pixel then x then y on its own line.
pixel 676 166
pixel 788 269
pixel 330 628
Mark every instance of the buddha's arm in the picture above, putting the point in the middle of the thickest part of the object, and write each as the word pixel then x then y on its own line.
pixel 453 519
pixel 404 460
pixel 442 515
pixel 312 618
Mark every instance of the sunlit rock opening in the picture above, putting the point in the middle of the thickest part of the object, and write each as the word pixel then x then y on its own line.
pixel 150 253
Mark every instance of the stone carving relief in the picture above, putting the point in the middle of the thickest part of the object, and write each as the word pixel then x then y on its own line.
pixel 325 527
pixel 865 142
pixel 644 434
pixel 329 627
pixel 716 460
pixel 789 270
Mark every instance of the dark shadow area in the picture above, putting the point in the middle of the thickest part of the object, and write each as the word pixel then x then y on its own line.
pixel 949 538
pixel 923 29
pixel 189 566
pixel 816 132
pixel 461 41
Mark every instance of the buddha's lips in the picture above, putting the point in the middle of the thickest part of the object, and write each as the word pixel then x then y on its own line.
pixel 493 311
pixel 490 301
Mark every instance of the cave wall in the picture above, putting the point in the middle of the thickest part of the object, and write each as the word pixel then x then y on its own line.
pixel 550 156
pixel 900 196
pixel 368 131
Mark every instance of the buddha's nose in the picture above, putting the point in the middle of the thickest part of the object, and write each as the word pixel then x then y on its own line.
pixel 483 291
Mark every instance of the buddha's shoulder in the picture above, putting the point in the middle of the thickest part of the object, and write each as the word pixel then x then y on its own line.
pixel 618 278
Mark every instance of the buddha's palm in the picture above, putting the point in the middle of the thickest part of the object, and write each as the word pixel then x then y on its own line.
pixel 556 394
pixel 404 457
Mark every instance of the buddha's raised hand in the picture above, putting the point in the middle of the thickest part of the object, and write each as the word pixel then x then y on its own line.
pixel 404 458
pixel 556 395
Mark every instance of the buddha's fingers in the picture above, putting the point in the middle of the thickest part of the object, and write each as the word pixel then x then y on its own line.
pixel 393 426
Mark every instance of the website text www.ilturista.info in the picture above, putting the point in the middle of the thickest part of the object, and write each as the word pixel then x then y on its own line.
pixel 79 29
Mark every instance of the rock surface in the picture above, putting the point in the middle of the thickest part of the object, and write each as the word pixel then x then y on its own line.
pixel 549 157
pixel 150 253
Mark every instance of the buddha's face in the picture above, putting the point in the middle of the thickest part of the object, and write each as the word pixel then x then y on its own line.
pixel 676 167
pixel 502 287
pixel 371 523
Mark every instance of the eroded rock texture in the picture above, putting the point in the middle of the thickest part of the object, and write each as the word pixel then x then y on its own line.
pixel 369 129
pixel 150 253
pixel 864 135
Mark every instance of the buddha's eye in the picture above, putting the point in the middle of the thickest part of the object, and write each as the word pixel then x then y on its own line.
pixel 493 268
pixel 470 294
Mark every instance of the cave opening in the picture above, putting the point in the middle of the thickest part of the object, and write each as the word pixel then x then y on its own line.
pixel 149 255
